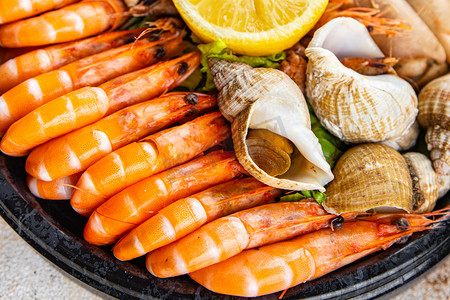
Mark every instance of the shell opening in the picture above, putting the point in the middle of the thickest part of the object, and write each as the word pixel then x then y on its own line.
pixel 346 37
pixel 308 165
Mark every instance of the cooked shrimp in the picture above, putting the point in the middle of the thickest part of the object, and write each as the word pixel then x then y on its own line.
pixel 372 18
pixel 279 266
pixel 89 104
pixel 89 71
pixel 92 142
pixel 59 189
pixel 230 235
pixel 186 215
pixel 151 155
pixel 33 63
pixel 13 10
pixel 42 60
pixel 137 203
pixel 65 24
pixel 10 53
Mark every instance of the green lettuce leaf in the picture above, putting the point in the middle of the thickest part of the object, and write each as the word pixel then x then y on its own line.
pixel 332 147
pixel 218 49
pixel 295 197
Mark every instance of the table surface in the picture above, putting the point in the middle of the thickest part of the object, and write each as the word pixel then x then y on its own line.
pixel 25 274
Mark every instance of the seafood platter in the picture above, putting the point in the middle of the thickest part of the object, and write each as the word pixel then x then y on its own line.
pixel 192 149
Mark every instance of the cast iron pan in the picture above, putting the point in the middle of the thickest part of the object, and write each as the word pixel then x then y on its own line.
pixel 55 230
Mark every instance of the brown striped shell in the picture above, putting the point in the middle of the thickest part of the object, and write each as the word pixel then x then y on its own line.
pixel 370 177
pixel 354 107
pixel 262 98
pixel 425 182
pixel 434 115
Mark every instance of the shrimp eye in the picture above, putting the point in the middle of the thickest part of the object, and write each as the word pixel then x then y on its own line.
pixel 183 68
pixel 337 223
pixel 401 223
pixel 154 37
pixel 191 99
pixel 160 52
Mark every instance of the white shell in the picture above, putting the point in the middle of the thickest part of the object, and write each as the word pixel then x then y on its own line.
pixel 427 181
pixel 354 107
pixel 406 141
pixel 434 115
pixel 261 98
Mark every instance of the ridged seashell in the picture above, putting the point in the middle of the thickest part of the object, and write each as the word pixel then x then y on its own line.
pixel 424 180
pixel 354 107
pixel 406 141
pixel 261 98
pixel 444 185
pixel 434 115
pixel 370 176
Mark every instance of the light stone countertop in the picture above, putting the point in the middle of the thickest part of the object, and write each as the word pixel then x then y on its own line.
pixel 25 274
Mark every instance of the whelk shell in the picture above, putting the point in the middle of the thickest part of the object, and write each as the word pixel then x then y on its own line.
pixel 407 140
pixel 262 98
pixel 425 181
pixel 354 107
pixel 434 115
pixel 370 176
pixel 376 177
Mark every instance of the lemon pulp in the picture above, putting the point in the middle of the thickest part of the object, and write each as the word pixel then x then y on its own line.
pixel 251 27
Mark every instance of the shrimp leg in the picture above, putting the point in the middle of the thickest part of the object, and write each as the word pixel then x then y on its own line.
pixel 144 199
pixel 186 215
pixel 59 189
pixel 230 235
pixel 69 23
pixel 13 10
pixel 89 104
pixel 300 259
pixel 92 142
pixel 151 155
pixel 90 71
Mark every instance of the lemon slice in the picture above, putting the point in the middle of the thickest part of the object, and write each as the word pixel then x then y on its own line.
pixel 251 27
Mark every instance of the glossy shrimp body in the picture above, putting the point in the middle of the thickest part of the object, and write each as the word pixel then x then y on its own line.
pixel 59 189
pixel 89 104
pixel 90 71
pixel 230 235
pixel 279 266
pixel 89 144
pixel 33 93
pixel 13 10
pixel 186 215
pixel 38 61
pixel 69 23
pixel 148 156
pixel 137 203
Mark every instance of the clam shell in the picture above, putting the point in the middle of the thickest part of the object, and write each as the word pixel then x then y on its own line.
pixel 354 107
pixel 434 115
pixel 426 179
pixel 262 98
pixel 370 176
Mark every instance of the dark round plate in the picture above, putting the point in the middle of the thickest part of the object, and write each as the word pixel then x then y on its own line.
pixel 55 230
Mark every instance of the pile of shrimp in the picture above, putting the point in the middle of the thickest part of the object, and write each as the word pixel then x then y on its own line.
pixel 94 111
